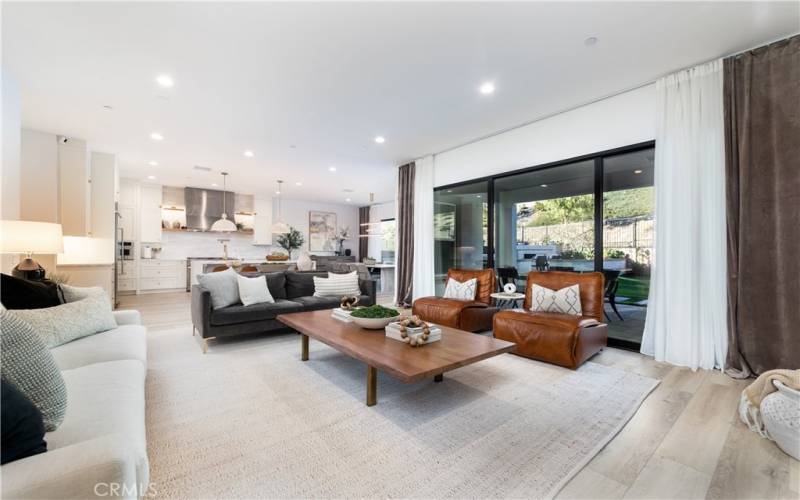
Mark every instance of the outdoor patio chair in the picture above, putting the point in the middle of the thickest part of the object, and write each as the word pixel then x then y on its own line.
pixel 612 284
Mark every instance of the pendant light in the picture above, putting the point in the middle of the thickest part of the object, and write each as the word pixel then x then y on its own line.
pixel 280 227
pixel 223 225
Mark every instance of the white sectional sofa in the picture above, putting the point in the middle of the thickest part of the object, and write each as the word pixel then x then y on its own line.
pixel 100 449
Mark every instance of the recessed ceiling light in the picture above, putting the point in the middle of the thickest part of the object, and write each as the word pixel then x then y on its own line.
pixel 380 139
pixel 347 199
pixel 277 192
pixel 151 177
pixel 332 169
pixel 214 184
pixel 249 153
pixel 543 185
pixel 592 40
pixel 298 183
pixel 165 81
pixel 487 88
pixel 152 163
pixel 637 171
pixel 156 136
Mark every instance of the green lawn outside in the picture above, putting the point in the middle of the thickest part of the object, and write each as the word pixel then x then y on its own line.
pixel 634 288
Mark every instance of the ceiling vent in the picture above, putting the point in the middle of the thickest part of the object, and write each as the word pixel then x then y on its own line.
pixel 202 169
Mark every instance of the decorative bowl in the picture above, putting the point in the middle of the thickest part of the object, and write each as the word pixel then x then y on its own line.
pixel 277 257
pixel 373 323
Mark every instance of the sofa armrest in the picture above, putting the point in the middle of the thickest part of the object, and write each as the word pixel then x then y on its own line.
pixel 87 469
pixel 201 310
pixel 367 287
pixel 128 317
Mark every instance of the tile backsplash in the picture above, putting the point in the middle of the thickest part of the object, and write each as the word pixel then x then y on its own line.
pixel 180 245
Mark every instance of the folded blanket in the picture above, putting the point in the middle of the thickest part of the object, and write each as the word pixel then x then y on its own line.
pixel 754 393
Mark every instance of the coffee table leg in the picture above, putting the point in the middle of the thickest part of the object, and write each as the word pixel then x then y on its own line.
pixel 438 378
pixel 304 353
pixel 372 386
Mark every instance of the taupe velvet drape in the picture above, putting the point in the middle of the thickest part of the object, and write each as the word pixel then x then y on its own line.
pixel 363 233
pixel 405 234
pixel 762 156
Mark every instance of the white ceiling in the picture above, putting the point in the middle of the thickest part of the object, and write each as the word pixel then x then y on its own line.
pixel 327 78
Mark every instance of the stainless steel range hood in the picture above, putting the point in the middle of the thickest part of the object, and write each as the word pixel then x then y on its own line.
pixel 204 206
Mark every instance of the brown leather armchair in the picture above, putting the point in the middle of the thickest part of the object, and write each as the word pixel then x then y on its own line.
pixel 472 316
pixel 561 339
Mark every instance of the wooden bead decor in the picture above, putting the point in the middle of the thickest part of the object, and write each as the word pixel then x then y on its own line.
pixel 348 303
pixel 414 322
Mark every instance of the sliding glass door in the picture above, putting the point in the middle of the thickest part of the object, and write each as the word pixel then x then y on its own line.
pixel 461 229
pixel 590 214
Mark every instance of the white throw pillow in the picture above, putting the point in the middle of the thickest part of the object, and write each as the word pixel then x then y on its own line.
pixel 254 290
pixel 71 321
pixel 337 285
pixel 457 290
pixel 565 301
pixel 223 287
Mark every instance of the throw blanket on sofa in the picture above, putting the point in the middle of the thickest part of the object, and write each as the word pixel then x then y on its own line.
pixel 754 393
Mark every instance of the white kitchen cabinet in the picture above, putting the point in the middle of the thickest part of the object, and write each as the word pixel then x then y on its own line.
pixel 74 187
pixel 103 195
pixel 128 192
pixel 157 274
pixel 127 222
pixel 262 221
pixel 150 213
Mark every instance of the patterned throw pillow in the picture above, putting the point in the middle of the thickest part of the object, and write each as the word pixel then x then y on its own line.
pixel 457 290
pixel 71 321
pixel 337 285
pixel 565 301
pixel 27 363
pixel 76 293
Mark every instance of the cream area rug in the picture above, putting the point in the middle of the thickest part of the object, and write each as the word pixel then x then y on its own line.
pixel 250 420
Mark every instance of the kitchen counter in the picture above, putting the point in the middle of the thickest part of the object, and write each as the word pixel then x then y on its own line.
pixel 195 265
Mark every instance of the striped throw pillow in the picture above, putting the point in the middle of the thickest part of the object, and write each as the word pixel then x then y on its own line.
pixel 337 285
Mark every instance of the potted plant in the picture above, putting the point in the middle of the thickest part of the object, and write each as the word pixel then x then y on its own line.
pixel 291 240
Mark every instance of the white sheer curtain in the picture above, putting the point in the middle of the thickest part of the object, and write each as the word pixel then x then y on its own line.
pixel 423 280
pixel 687 320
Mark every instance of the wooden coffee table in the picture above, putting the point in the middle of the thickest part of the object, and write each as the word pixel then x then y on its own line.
pixel 409 364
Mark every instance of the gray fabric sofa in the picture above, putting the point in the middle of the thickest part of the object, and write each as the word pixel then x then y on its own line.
pixel 101 442
pixel 293 291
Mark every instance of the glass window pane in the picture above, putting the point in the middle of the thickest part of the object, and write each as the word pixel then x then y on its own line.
pixel 460 226
pixel 628 230
pixel 544 219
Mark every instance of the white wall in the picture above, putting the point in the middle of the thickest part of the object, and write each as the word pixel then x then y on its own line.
pixel 295 213
pixel 618 121
pixel 10 168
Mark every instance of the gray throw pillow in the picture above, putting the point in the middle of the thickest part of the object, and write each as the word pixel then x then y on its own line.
pixel 27 363
pixel 76 293
pixel 71 321
pixel 223 286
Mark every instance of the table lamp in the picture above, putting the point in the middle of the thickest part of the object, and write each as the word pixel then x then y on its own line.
pixel 28 237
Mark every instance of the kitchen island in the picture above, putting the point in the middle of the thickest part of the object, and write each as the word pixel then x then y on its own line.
pixel 202 265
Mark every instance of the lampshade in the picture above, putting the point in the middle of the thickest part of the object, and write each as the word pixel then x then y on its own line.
pixel 223 225
pixel 280 227
pixel 21 236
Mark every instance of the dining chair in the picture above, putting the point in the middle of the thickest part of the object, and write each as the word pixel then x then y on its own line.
pixel 612 284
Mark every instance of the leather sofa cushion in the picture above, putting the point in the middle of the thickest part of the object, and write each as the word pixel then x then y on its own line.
pixel 256 312
pixel 443 311
pixel 591 288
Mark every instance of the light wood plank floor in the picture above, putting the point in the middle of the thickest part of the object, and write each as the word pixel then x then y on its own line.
pixel 686 440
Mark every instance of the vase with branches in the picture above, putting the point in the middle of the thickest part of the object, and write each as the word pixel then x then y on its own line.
pixel 341 236
pixel 291 240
